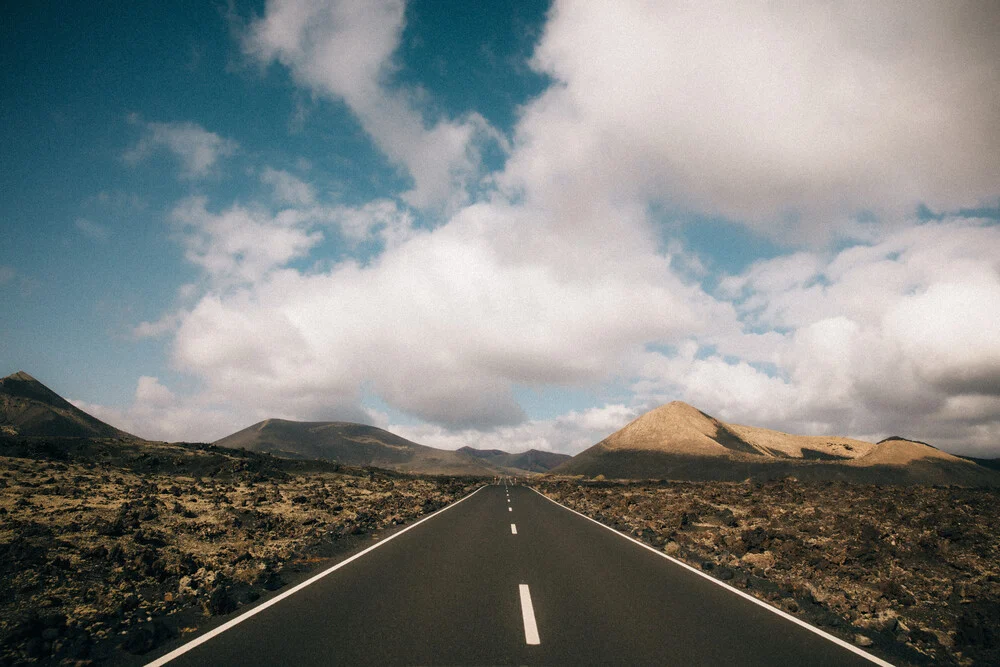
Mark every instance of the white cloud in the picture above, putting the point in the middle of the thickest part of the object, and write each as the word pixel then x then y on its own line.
pixel 344 49
pixel 167 323
pixel 288 189
pixel 197 149
pixel 443 323
pixel 724 389
pixel 381 218
pixel 792 118
pixel 242 244
pixel 150 391
pixel 156 413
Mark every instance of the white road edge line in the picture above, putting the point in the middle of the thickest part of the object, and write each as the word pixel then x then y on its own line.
pixel 181 650
pixel 528 613
pixel 513 529
pixel 779 612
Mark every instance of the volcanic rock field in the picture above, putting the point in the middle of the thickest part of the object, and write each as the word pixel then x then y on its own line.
pixel 119 547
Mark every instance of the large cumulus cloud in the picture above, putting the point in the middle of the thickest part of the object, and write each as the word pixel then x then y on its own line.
pixel 792 118
pixel 805 122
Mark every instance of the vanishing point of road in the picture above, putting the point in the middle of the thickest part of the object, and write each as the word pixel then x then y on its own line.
pixel 507 577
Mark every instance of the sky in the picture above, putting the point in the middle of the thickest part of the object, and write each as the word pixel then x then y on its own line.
pixel 506 224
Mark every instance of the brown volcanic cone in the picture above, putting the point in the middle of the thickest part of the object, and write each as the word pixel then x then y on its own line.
pixel 677 441
pixel 30 409
pixel 677 428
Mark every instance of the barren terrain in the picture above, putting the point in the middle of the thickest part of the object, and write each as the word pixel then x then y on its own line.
pixel 913 573
pixel 122 546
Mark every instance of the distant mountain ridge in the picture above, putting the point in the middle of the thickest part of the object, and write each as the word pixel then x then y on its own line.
pixel 678 441
pixel 352 444
pixel 30 409
pixel 355 444
pixel 533 460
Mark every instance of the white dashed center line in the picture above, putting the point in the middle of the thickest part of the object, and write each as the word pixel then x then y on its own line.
pixel 528 612
pixel 513 529
pixel 510 509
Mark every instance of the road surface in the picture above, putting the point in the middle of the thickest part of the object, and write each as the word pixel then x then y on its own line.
pixel 506 576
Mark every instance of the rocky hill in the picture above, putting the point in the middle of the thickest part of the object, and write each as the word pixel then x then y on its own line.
pixel 30 409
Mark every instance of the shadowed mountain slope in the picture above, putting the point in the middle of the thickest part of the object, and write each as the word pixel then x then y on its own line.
pixel 30 409
pixel 352 444
pixel 678 441
pixel 532 460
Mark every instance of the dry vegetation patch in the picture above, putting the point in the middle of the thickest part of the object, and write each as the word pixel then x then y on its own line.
pixel 911 573
pixel 98 559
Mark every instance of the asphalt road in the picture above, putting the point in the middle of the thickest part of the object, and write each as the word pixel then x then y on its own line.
pixel 451 591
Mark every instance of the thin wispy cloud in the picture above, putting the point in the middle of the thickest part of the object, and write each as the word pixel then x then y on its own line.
pixel 344 49
pixel 92 230
pixel 197 149
pixel 288 188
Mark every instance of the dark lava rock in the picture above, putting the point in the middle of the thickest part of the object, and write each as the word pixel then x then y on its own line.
pixel 980 628
pixel 726 517
pixel 33 648
pixel 754 540
pixel 220 602
pixel 27 625
pixel 146 637
pixel 272 581
pixel 53 620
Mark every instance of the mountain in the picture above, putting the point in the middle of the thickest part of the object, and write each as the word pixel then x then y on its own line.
pixel 30 409
pixel 354 445
pixel 532 460
pixel 678 441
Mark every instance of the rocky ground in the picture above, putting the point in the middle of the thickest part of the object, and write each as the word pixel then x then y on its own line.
pixel 910 573
pixel 109 549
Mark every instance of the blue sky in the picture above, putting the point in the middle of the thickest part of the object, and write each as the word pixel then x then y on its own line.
pixel 505 224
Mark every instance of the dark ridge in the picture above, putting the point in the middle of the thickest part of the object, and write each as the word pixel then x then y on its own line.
pixel 29 408
pixel 897 437
pixel 22 385
pixel 352 444
pixel 482 453
pixel 992 464
pixel 816 455
pixel 658 465
pixel 532 460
